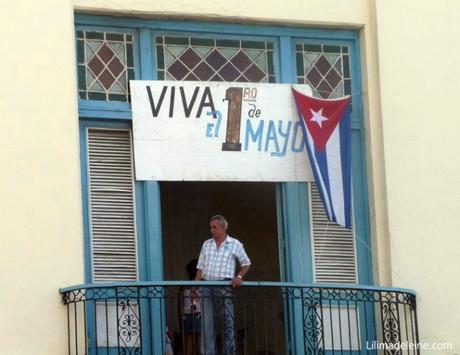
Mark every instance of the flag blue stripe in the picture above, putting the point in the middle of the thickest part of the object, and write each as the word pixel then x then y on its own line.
pixel 321 160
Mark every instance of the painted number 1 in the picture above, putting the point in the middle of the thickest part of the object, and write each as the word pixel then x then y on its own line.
pixel 234 96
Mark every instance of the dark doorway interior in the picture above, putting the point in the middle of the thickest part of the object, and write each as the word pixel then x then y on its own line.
pixel 250 209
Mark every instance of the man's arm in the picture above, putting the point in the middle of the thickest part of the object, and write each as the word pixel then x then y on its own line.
pixel 239 278
pixel 245 265
pixel 200 265
pixel 244 270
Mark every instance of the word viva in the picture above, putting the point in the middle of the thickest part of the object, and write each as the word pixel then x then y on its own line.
pixel 187 103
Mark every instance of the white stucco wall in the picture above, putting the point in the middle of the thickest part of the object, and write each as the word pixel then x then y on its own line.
pixel 40 201
pixel 326 12
pixel 419 75
pixel 410 71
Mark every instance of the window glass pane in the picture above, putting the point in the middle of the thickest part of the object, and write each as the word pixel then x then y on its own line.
pixel 325 68
pixel 105 62
pixel 208 59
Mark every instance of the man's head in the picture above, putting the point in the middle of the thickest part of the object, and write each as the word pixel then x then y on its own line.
pixel 218 226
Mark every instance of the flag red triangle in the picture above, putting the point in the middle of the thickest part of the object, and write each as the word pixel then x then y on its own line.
pixel 320 116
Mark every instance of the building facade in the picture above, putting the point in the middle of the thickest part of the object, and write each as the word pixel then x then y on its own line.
pixel 66 113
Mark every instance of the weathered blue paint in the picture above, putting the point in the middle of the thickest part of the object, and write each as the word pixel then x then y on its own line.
pixel 359 174
pixel 147 55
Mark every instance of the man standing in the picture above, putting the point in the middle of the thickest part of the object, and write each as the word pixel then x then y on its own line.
pixel 217 262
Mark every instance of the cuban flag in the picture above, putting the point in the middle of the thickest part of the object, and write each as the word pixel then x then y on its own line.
pixel 327 132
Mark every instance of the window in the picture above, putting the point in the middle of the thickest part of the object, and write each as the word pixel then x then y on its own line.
pixel 112 205
pixel 334 256
pixel 111 51
pixel 105 65
pixel 210 59
pixel 326 68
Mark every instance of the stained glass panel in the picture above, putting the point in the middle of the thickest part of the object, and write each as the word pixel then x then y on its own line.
pixel 325 68
pixel 105 65
pixel 207 59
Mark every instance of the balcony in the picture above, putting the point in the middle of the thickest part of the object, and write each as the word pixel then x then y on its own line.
pixel 258 318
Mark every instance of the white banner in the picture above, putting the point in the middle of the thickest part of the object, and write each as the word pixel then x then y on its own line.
pixel 217 131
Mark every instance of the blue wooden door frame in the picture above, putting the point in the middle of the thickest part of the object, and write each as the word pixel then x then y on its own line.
pixel 292 198
pixel 293 204
pixel 148 231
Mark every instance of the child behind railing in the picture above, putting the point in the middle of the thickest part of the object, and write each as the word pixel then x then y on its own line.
pixel 190 313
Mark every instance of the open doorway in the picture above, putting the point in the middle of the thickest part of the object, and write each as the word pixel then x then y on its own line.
pixel 250 209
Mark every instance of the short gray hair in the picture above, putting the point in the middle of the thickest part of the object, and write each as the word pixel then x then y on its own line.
pixel 222 221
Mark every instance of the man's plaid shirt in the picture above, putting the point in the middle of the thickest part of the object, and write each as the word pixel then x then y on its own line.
pixel 218 264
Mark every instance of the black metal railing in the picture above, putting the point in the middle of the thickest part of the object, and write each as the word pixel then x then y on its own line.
pixel 257 318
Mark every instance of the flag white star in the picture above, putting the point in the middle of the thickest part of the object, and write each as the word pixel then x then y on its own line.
pixel 318 117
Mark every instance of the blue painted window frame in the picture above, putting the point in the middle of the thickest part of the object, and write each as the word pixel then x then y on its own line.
pixel 292 198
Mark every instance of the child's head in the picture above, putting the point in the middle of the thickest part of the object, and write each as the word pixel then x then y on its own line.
pixel 191 269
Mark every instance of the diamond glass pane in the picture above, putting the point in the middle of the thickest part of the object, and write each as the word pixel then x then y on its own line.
pixel 325 68
pixel 207 59
pixel 105 65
